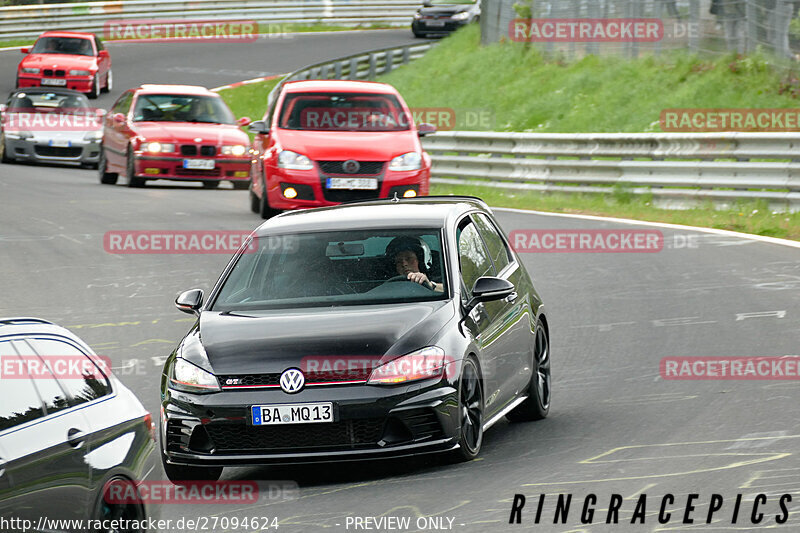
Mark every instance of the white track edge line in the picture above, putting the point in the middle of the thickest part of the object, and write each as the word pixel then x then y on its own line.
pixel 761 238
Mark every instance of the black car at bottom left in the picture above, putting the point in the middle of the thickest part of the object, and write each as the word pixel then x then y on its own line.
pixel 68 428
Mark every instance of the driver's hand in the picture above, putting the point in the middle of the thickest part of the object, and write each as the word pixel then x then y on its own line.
pixel 422 279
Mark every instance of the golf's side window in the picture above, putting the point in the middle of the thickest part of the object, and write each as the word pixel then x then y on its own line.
pixel 473 258
pixel 20 402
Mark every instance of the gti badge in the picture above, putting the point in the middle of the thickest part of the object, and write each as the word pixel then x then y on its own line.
pixel 350 166
pixel 292 381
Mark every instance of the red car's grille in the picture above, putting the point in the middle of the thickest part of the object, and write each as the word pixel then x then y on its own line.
pixel 215 172
pixel 193 149
pixel 50 72
pixel 365 167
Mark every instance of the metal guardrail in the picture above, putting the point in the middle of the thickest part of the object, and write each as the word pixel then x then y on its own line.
pixel 672 167
pixel 361 66
pixel 20 22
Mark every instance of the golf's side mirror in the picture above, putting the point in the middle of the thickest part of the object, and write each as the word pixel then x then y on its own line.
pixel 190 301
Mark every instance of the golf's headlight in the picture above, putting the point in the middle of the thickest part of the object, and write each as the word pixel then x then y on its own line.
pixel 156 147
pixel 93 136
pixel 417 15
pixel 427 363
pixel 79 73
pixel 409 161
pixel 236 150
pixel 190 378
pixel 294 161
pixel 464 15
pixel 30 70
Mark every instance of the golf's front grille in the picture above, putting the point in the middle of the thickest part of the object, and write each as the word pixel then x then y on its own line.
pixel 346 195
pixel 312 378
pixel 58 151
pixel 370 168
pixel 347 434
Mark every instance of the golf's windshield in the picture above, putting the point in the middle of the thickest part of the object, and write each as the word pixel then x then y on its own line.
pixel 334 268
pixel 343 112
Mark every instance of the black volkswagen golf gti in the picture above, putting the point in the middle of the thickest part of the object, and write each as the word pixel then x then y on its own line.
pixel 360 331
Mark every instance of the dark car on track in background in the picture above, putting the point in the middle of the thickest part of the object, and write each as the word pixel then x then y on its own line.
pixel 174 132
pixel 50 125
pixel 68 59
pixel 324 142
pixel 315 344
pixel 442 17
pixel 66 433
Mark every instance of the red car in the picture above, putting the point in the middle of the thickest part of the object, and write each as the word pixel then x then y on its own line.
pixel 67 59
pixel 326 142
pixel 174 132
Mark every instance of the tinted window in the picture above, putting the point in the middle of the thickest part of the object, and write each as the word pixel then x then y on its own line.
pixel 98 43
pixel 182 108
pixel 343 112
pixel 55 101
pixel 494 242
pixel 19 402
pixel 123 104
pixel 333 268
pixel 63 45
pixel 472 256
pixel 76 373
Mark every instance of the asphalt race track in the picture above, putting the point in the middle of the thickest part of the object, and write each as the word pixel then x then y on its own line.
pixel 615 426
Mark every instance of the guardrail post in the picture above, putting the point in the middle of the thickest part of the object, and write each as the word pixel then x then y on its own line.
pixel 406 54
pixel 372 63
pixel 337 70
pixel 389 62
pixel 353 69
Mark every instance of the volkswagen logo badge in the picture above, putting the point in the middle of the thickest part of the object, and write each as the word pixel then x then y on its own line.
pixel 292 381
pixel 351 167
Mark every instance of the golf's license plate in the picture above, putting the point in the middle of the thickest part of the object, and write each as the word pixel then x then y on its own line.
pixel 199 164
pixel 352 183
pixel 59 142
pixel 53 81
pixel 292 413
pixel 435 23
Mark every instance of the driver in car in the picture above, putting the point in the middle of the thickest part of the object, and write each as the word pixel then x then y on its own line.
pixel 412 259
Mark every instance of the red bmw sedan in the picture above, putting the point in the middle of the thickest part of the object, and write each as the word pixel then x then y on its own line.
pixel 72 60
pixel 174 132
pixel 325 142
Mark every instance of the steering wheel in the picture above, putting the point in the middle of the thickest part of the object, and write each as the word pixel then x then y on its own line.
pixel 404 278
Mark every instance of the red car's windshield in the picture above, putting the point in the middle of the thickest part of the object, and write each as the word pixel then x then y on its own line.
pixel 343 112
pixel 181 108
pixel 63 45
